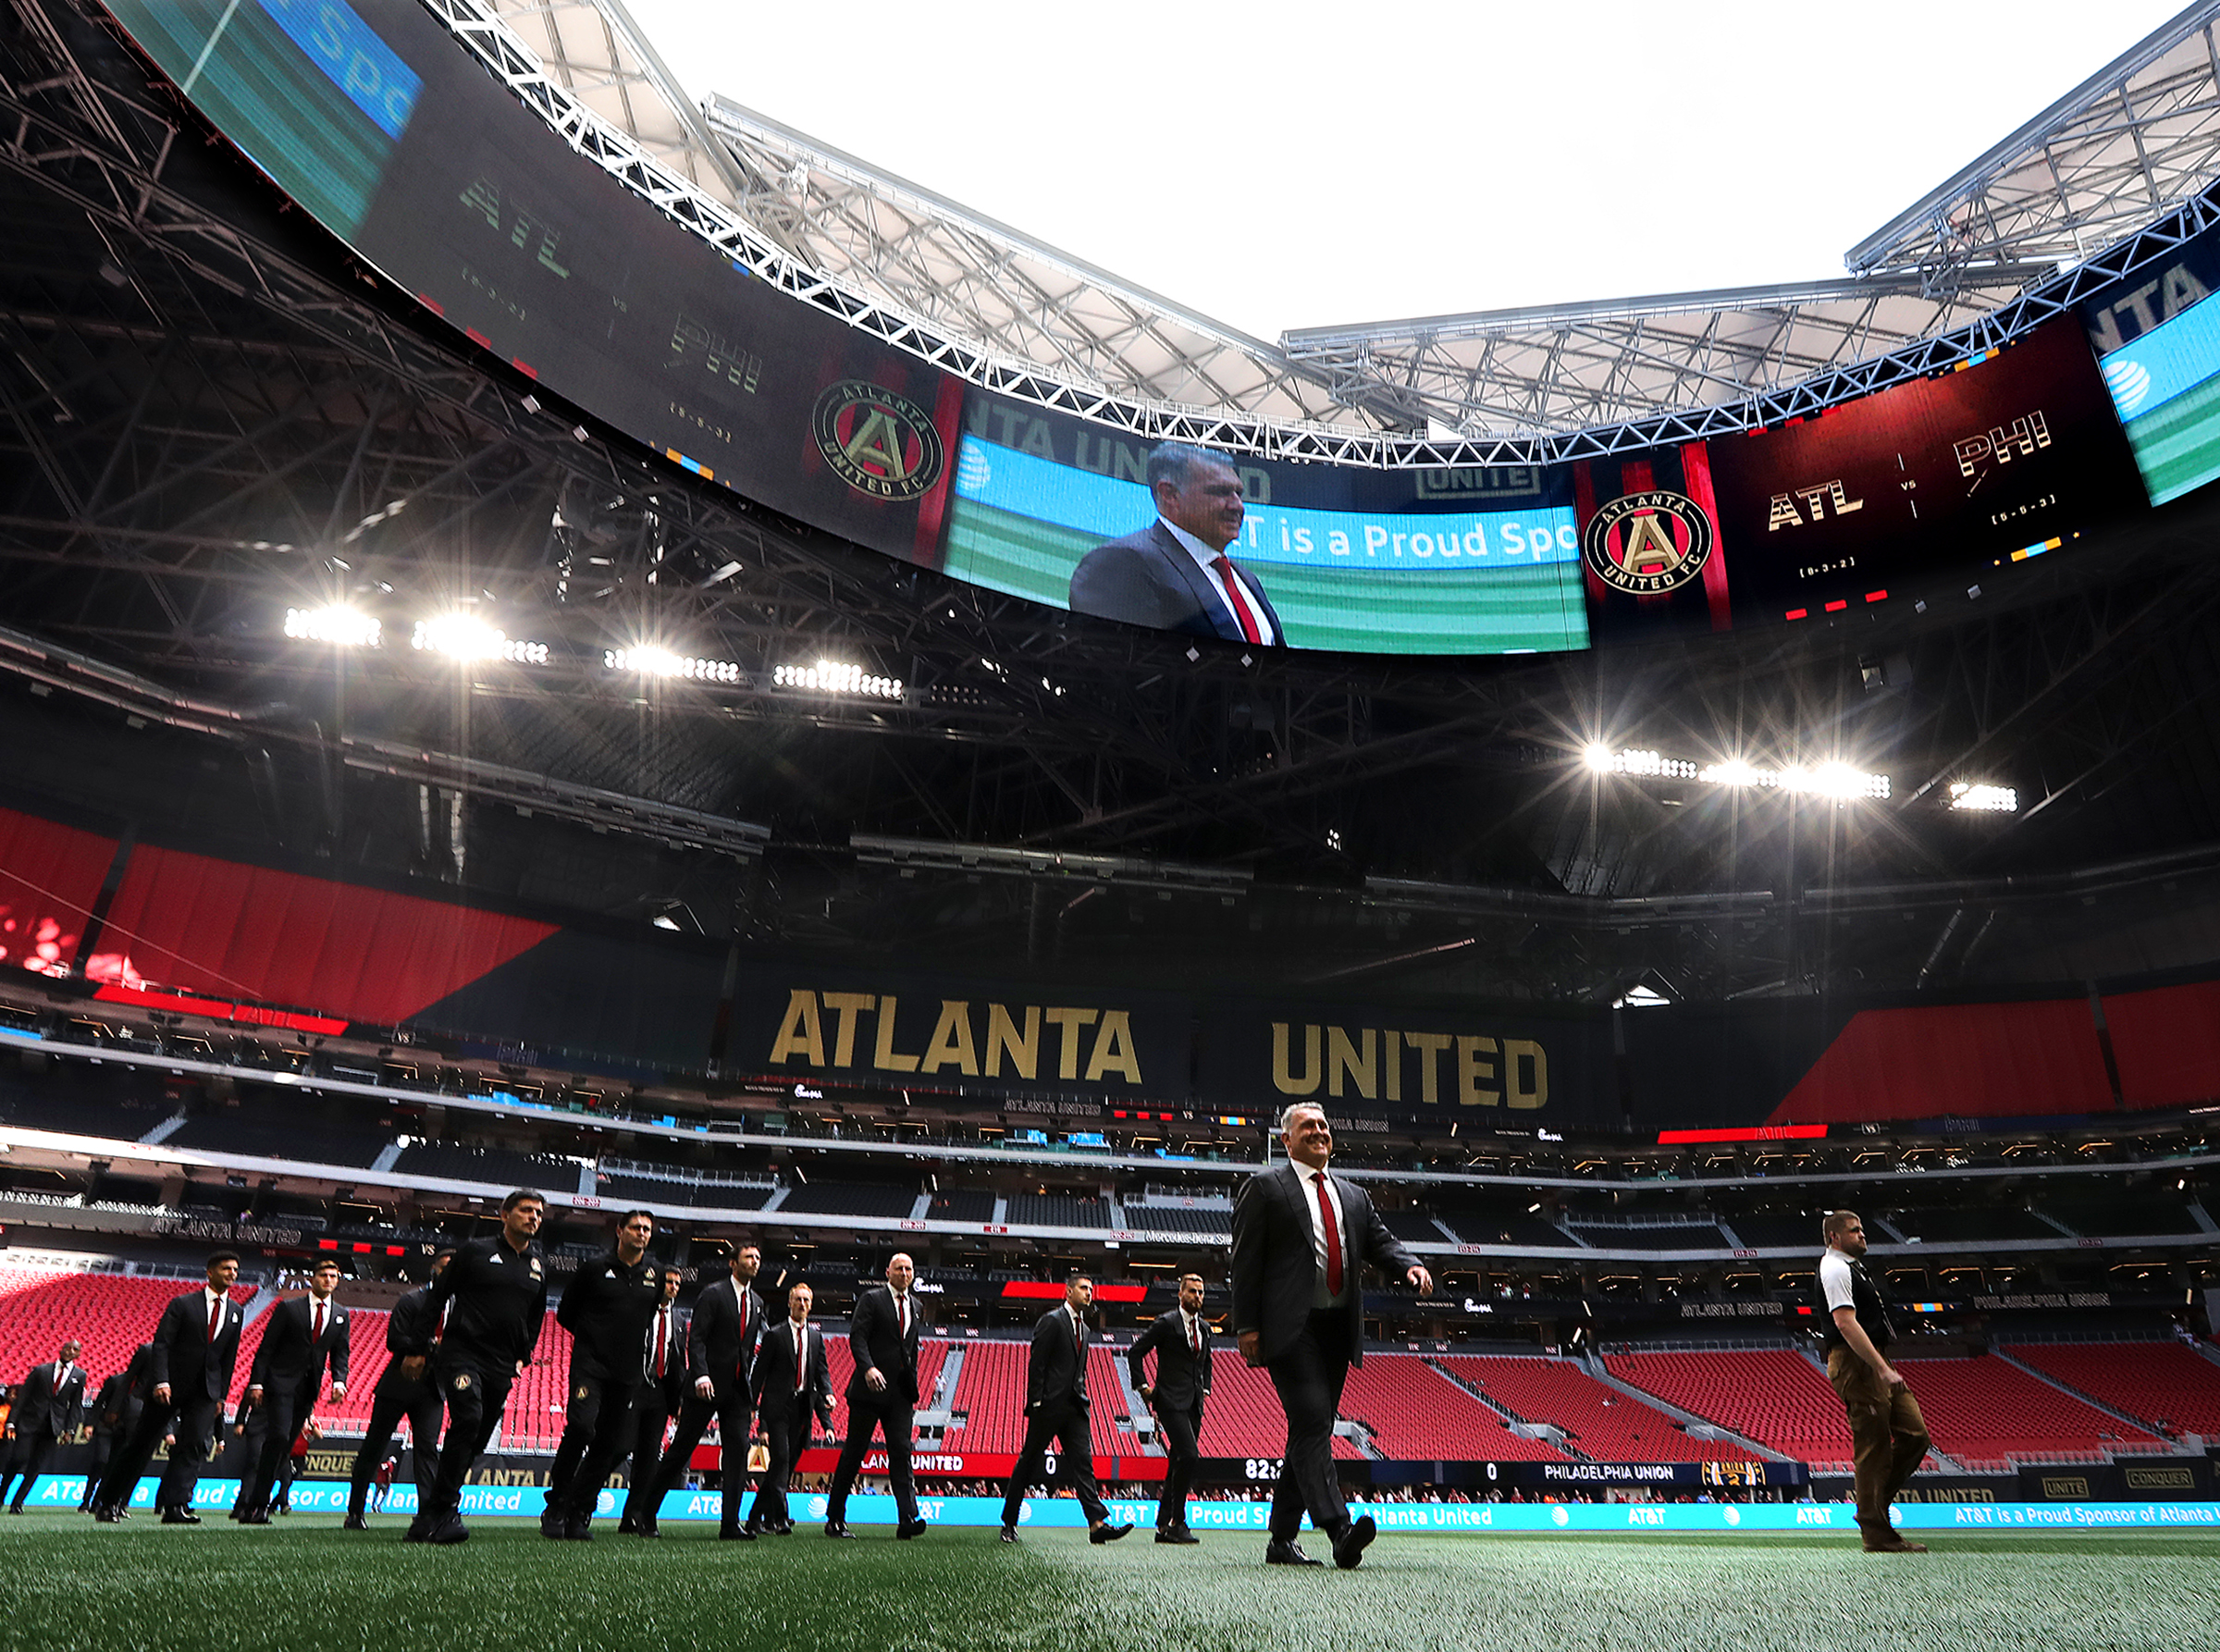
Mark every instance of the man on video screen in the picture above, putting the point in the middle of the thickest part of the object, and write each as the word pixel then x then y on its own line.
pixel 1175 575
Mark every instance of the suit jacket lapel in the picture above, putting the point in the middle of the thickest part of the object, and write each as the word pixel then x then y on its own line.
pixel 1207 594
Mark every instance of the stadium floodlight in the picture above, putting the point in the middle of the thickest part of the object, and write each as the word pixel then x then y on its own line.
pixel 465 636
pixel 828 677
pixel 651 661
pixel 339 623
pixel 1835 779
pixel 1972 794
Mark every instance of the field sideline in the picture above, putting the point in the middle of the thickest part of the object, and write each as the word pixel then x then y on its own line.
pixel 305 1582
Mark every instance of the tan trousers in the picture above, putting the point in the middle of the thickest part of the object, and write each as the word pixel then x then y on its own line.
pixel 1888 1435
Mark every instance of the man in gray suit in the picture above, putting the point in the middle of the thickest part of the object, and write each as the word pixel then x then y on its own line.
pixel 1301 1240
pixel 1175 575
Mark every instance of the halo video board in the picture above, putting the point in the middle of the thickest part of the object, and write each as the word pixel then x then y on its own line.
pixel 388 132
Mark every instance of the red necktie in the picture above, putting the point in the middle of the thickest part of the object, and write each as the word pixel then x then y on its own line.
pixel 216 1318
pixel 801 1357
pixel 744 1293
pixel 1333 1237
pixel 662 1321
pixel 1078 1334
pixel 1236 599
pixel 315 1328
pixel 1194 1338
pixel 902 1315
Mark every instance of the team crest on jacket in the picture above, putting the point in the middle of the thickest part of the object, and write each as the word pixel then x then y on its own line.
pixel 1648 543
pixel 461 1381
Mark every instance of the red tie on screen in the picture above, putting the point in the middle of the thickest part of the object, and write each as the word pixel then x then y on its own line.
pixel 1236 599
pixel 801 1357
pixel 216 1318
pixel 662 1321
pixel 1333 1237
pixel 902 1315
pixel 316 1327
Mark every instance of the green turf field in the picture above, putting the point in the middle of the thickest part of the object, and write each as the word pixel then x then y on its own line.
pixel 66 1585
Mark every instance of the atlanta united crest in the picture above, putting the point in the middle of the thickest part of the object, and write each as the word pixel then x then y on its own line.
pixel 877 442
pixel 1648 543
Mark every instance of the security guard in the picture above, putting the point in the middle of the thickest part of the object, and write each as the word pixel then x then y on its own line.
pixel 607 1309
pixel 498 1288
pixel 1888 1435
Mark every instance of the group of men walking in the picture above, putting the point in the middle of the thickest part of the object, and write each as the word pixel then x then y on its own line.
pixel 1302 1239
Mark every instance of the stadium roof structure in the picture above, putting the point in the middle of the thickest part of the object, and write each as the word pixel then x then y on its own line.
pixel 2139 135
pixel 210 410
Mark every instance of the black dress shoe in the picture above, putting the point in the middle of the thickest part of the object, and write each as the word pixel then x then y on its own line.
pixel 104 1515
pixel 1107 1533
pixel 1348 1548
pixel 180 1517
pixel 646 1528
pixel 736 1534
pixel 551 1523
pixel 837 1528
pixel 578 1528
pixel 628 1527
pixel 253 1517
pixel 783 1528
pixel 449 1528
pixel 1176 1535
pixel 905 1530
pixel 420 1530
pixel 354 1523
pixel 1286 1551
pixel 1008 1535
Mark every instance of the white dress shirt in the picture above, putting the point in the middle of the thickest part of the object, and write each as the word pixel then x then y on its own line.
pixel 1320 1295
pixel 1206 558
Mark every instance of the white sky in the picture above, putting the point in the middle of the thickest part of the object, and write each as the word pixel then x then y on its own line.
pixel 1294 166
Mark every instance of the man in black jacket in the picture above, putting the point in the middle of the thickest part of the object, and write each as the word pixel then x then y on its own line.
pixel 607 1308
pixel 41 1410
pixel 194 1348
pixel 1181 1339
pixel 882 1395
pixel 663 1389
pixel 791 1384
pixel 1057 1408
pixel 499 1288
pixel 404 1389
pixel 1300 1240
pixel 720 1360
pixel 304 1335
pixel 114 1413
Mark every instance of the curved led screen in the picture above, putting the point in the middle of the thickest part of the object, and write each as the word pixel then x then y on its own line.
pixel 380 124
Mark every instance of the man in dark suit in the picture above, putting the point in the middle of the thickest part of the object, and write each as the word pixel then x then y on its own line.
pixel 42 1412
pixel 1181 1339
pixel 114 1413
pixel 1301 1240
pixel 721 1359
pixel 1057 1408
pixel 404 1389
pixel 793 1383
pixel 882 1395
pixel 304 1336
pixel 663 1389
pixel 607 1308
pixel 195 1346
pixel 1175 575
